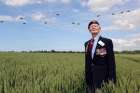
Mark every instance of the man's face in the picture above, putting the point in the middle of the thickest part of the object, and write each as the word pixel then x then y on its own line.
pixel 94 28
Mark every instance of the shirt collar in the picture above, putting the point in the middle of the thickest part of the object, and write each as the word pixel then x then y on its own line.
pixel 97 37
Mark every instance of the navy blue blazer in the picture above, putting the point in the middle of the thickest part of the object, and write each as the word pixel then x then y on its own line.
pixel 101 68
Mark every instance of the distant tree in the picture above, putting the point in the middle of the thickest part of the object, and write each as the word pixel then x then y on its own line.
pixel 53 51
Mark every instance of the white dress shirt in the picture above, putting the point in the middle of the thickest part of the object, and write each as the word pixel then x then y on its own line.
pixel 95 44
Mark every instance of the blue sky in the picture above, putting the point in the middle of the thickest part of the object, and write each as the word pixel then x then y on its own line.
pixel 59 33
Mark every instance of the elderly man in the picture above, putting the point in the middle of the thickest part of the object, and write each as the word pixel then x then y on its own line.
pixel 99 59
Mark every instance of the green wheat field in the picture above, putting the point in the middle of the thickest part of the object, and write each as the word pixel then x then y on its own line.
pixel 61 73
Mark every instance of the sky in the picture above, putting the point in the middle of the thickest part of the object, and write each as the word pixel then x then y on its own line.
pixel 62 24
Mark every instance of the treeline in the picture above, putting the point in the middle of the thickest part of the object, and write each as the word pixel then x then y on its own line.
pixel 55 51
pixel 128 52
pixel 45 51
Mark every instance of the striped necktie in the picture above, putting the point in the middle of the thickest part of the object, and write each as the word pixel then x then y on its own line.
pixel 90 46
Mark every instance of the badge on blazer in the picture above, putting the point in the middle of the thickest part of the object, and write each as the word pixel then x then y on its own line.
pixel 101 43
pixel 101 51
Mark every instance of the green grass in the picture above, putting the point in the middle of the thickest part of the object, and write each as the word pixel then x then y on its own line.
pixel 61 73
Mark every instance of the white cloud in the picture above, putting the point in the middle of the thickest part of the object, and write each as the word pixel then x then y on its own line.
pixel 128 21
pixel 125 24
pixel 16 2
pixel 110 28
pixel 6 18
pixel 43 17
pixel 101 5
pixel 39 16
pixel 11 18
pixel 129 43
pixel 26 2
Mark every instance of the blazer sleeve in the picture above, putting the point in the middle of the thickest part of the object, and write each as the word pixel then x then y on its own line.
pixel 111 62
pixel 87 68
